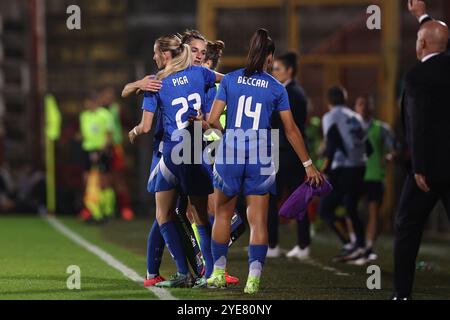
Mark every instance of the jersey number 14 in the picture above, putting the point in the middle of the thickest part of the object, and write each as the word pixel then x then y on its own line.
pixel 245 107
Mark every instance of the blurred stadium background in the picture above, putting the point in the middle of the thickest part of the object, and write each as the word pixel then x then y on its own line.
pixel 39 56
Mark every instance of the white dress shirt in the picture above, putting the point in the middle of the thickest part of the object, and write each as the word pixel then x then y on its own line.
pixel 428 57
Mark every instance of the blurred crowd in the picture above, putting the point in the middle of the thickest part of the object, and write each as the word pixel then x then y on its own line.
pixel 22 188
pixel 352 148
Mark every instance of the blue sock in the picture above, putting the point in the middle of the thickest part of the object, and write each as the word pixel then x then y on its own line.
pixel 256 259
pixel 219 252
pixel 155 249
pixel 205 245
pixel 173 242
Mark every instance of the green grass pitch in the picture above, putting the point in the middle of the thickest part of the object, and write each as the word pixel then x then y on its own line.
pixel 34 258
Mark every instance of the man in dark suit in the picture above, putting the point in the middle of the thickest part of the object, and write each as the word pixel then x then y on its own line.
pixel 418 9
pixel 425 115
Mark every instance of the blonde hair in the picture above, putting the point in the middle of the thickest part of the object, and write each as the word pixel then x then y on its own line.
pixel 181 55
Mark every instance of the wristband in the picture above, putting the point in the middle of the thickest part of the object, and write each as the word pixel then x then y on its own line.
pixel 307 163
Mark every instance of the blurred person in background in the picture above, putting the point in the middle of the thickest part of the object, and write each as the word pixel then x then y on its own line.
pixel 383 145
pixel 31 189
pixel 7 189
pixel 22 188
pixel 291 173
pixel 2 128
pixel 315 142
pixel 96 126
pixel 346 157
pixel 109 101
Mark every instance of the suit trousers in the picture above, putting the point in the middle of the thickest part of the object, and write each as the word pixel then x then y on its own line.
pixel 413 212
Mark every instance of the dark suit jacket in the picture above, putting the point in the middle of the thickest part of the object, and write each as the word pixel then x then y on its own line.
pixel 298 103
pixel 426 117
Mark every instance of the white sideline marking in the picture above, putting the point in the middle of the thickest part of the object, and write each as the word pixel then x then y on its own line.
pixel 319 265
pixel 161 293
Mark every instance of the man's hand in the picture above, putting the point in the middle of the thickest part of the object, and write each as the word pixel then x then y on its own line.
pixel 422 183
pixel 417 8
pixel 150 84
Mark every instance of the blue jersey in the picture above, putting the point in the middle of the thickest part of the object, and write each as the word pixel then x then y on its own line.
pixel 251 100
pixel 158 134
pixel 250 103
pixel 182 95
pixel 209 99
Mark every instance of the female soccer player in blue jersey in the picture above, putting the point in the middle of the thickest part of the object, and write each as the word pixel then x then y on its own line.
pixel 155 242
pixel 251 96
pixel 180 99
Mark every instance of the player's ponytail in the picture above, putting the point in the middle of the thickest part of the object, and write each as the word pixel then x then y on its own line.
pixel 181 55
pixel 261 46
pixel 214 52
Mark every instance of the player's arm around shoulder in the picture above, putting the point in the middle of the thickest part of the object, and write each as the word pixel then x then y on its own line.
pixel 148 83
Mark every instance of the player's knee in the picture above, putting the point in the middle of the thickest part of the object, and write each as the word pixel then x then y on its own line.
pixel 162 216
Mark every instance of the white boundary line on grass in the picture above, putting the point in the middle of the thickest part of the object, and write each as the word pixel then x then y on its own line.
pixel 317 264
pixel 161 293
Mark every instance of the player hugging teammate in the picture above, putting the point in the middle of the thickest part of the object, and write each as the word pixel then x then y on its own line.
pixel 179 96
